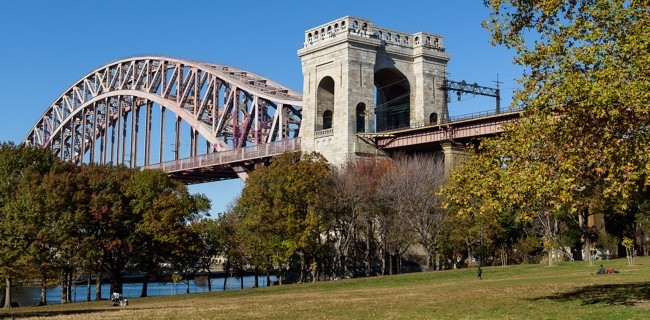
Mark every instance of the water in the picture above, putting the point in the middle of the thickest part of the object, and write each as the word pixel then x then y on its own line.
pixel 29 296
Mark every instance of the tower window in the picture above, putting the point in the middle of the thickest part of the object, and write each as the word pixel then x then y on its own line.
pixel 327 119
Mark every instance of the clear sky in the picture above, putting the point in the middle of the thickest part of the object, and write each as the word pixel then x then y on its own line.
pixel 46 46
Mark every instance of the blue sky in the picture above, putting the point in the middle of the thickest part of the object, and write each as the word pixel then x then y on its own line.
pixel 46 46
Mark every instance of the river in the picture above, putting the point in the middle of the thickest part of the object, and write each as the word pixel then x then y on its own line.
pixel 30 296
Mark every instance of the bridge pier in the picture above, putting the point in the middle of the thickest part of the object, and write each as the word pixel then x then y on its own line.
pixel 455 154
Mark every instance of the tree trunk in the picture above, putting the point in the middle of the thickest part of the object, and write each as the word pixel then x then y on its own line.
pixel 43 301
pixel 88 283
pixel 225 276
pixel 430 252
pixel 368 246
pixel 257 275
pixel 302 267
pixel 399 264
pixel 7 293
pixel 64 288
pixel 382 254
pixel 145 285
pixel 117 280
pixel 98 287
pixel 268 278
pixel 209 280
pixel 69 286
pixel 469 256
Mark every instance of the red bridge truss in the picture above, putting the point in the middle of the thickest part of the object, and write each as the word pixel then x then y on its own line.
pixel 99 118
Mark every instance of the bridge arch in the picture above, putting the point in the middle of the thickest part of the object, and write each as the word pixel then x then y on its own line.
pixel 98 119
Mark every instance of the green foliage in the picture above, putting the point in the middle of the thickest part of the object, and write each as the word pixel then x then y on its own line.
pixel 280 213
pixel 22 170
pixel 588 69
pixel 583 142
pixel 57 219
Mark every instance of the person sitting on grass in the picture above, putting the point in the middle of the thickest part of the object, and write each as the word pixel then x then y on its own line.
pixel 602 270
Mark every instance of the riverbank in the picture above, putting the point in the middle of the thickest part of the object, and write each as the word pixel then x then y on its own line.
pixel 30 295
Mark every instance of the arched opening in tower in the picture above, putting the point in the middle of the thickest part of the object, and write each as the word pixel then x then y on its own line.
pixel 361 117
pixel 392 100
pixel 325 104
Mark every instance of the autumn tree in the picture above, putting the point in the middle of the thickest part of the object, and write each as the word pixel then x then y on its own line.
pixel 56 249
pixel 165 209
pixel 355 218
pixel 281 210
pixel 587 69
pixel 109 218
pixel 21 168
pixel 584 132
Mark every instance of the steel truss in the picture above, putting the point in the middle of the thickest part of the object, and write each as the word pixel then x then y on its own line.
pixel 230 108
pixel 464 87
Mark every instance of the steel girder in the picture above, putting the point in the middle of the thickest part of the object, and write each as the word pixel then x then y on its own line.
pixel 229 107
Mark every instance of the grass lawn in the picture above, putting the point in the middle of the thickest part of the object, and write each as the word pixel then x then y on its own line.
pixel 568 290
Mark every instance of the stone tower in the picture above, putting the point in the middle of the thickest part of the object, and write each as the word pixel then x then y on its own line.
pixel 359 78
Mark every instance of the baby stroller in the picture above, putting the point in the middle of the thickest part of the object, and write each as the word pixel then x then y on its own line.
pixel 117 299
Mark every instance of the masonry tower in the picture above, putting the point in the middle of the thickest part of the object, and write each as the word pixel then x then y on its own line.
pixel 359 78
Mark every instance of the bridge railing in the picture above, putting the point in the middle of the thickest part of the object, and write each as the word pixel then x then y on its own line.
pixel 457 118
pixel 230 156
pixel 481 114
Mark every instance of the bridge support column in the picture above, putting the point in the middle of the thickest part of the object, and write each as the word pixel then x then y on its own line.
pixel 455 154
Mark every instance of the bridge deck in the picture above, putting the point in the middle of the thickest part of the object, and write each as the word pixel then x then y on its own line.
pixel 226 164
pixel 460 129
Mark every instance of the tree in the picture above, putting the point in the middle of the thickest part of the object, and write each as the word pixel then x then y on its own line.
pixel 357 216
pixel 587 70
pixel 56 248
pixel 164 208
pixel 20 168
pixel 109 218
pixel 582 143
pixel 643 226
pixel 411 189
pixel 212 244
pixel 282 208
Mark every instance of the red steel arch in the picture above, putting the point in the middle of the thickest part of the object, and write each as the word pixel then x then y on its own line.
pixel 95 119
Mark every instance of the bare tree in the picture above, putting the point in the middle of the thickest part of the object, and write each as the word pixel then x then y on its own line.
pixel 355 212
pixel 410 189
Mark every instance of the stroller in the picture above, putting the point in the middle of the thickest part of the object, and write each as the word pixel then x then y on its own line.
pixel 117 299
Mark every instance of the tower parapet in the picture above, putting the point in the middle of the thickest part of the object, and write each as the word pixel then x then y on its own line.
pixel 364 28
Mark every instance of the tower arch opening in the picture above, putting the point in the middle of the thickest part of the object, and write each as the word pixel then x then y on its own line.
pixel 361 117
pixel 433 118
pixel 325 103
pixel 392 100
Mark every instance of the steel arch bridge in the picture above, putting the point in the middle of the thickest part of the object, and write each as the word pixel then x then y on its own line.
pixel 241 117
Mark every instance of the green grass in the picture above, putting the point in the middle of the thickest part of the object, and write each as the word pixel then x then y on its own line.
pixel 568 290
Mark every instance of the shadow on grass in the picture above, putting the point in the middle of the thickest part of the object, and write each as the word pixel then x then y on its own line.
pixel 624 294
pixel 52 313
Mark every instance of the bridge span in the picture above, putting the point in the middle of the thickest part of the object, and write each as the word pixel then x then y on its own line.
pixel 459 131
